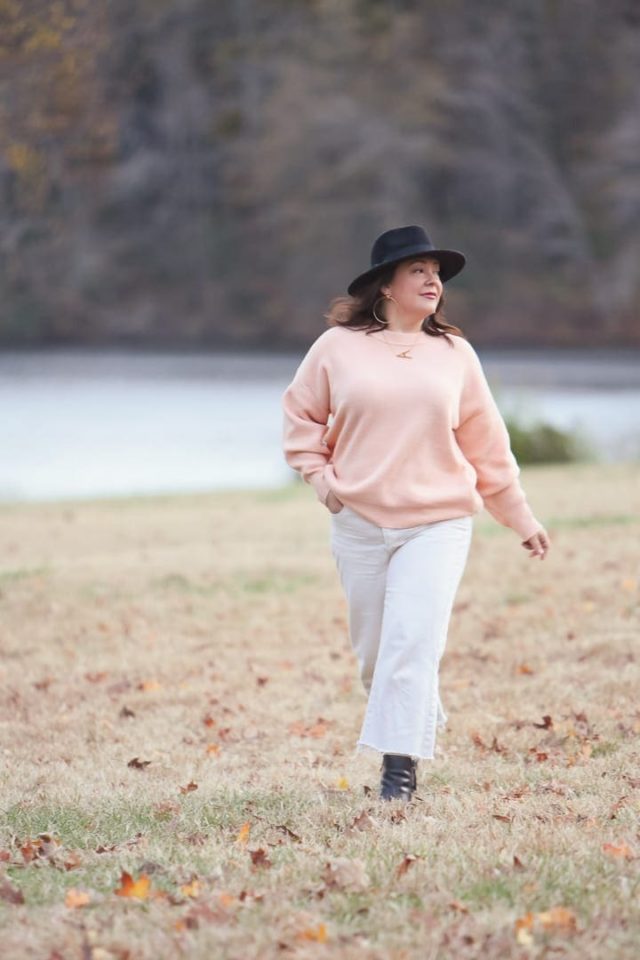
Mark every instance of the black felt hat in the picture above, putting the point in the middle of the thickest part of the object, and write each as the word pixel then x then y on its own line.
pixel 401 243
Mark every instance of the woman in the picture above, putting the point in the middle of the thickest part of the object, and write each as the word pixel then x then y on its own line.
pixel 415 447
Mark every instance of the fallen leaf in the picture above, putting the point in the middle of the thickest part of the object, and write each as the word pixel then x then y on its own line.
pixel 289 833
pixel 138 764
pixel 192 889
pixel 618 850
pixel 547 723
pixel 197 839
pixel 10 893
pixel 556 920
pixel 190 787
pixel 523 929
pixel 43 847
pixel 318 933
pixel 71 860
pixel 398 815
pixel 317 729
pixel 346 874
pixel 459 906
pixel 76 898
pixel 518 793
pixel 250 896
pixel 204 912
pixel 133 888
pixel 139 838
pixel 408 861
pixel 243 833
pixel 559 919
pixel 165 809
pixel 364 821
pixel 259 858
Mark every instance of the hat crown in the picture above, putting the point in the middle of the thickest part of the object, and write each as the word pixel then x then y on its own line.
pixel 392 242
pixel 402 243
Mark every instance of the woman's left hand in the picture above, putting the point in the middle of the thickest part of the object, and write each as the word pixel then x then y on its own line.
pixel 538 544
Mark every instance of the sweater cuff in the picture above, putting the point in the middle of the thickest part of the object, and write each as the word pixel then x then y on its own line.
pixel 321 486
pixel 510 508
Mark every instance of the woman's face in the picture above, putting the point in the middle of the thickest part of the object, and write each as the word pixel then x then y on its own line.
pixel 416 286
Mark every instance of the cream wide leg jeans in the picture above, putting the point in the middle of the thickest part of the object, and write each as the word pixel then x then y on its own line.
pixel 400 585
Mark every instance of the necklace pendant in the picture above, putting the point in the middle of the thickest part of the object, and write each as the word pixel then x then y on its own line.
pixel 404 355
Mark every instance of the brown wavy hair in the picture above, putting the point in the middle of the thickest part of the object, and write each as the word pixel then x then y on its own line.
pixel 357 311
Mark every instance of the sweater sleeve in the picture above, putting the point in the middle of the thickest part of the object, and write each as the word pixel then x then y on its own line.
pixel 483 437
pixel 306 406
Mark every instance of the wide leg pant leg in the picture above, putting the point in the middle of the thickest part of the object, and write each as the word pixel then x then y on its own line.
pixel 404 706
pixel 400 586
pixel 362 558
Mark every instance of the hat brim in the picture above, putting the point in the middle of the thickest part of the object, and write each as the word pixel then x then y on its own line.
pixel 451 263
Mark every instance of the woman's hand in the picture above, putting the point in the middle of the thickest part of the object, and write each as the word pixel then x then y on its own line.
pixel 538 544
pixel 334 505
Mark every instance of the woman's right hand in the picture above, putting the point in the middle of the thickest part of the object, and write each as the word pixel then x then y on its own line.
pixel 332 503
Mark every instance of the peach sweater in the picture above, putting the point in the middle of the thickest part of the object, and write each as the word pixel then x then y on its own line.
pixel 409 441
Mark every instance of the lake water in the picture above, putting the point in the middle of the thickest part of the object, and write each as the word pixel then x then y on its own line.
pixel 83 423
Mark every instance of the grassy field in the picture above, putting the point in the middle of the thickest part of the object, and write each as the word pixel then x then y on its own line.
pixel 180 707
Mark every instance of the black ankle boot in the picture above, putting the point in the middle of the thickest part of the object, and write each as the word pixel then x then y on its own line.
pixel 398 776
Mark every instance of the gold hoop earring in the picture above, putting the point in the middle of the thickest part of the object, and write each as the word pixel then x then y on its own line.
pixel 373 309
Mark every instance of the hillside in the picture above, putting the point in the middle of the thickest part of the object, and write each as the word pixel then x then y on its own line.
pixel 193 172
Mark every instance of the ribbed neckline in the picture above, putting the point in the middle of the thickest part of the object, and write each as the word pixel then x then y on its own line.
pixel 397 336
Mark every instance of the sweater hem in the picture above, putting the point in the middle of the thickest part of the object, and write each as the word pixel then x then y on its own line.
pixel 398 520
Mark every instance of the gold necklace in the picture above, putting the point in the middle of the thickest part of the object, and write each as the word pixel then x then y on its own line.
pixel 404 354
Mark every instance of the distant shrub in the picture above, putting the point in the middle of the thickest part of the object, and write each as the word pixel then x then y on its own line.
pixel 542 443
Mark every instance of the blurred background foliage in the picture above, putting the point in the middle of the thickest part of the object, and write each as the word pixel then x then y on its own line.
pixel 180 172
pixel 541 442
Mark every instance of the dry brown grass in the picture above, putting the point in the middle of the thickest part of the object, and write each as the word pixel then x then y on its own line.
pixel 207 635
